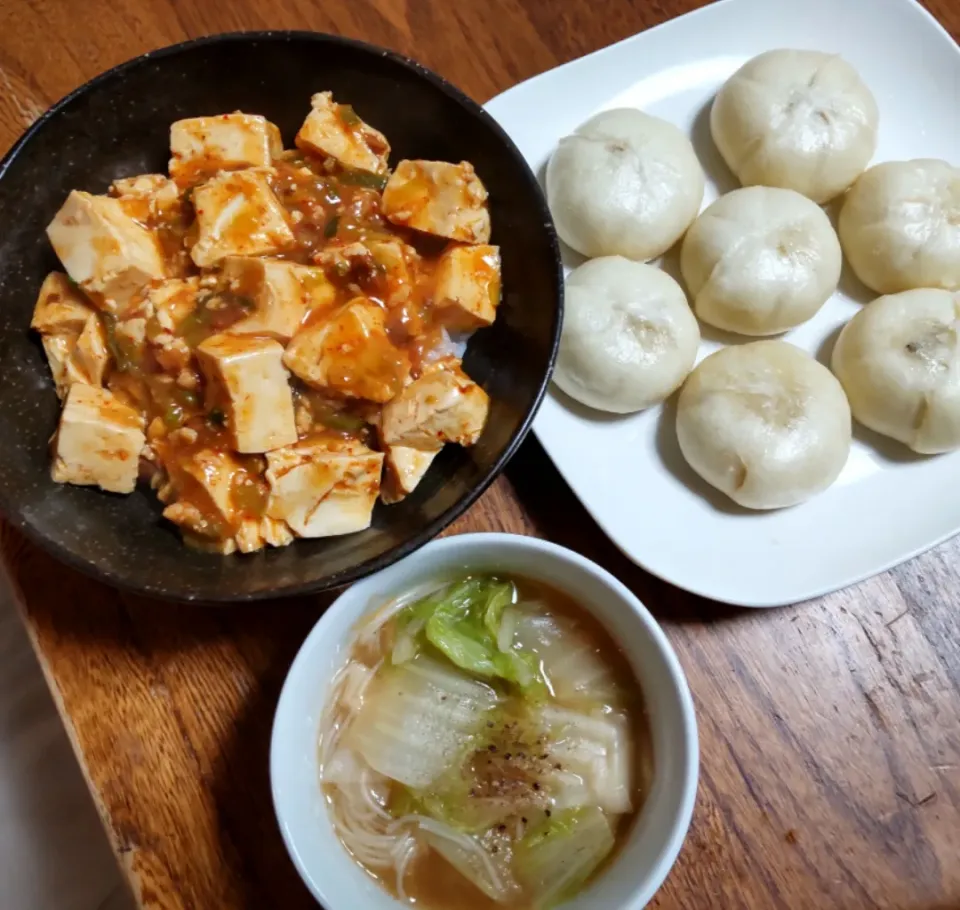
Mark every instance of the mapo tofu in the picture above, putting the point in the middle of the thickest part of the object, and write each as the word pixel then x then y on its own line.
pixel 268 338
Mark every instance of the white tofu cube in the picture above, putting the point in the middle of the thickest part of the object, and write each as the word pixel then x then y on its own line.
pixel 157 190
pixel 201 146
pixel 156 203
pixel 252 534
pixel 273 286
pixel 467 289
pixel 349 353
pixel 438 198
pixel 90 356
pixel 399 262
pixel 146 198
pixel 59 349
pixel 202 482
pixel 323 487
pixel 281 291
pixel 74 338
pixel 444 405
pixel 238 215
pixel 172 301
pixel 334 130
pixel 222 546
pixel 318 291
pixel 60 307
pixel 98 441
pixel 403 469
pixel 257 533
pixel 247 373
pixel 104 250
pixel 142 186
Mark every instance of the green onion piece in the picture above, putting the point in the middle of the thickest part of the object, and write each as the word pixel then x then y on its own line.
pixel 331 228
pixel 122 355
pixel 364 178
pixel 173 416
pixel 189 398
pixel 340 421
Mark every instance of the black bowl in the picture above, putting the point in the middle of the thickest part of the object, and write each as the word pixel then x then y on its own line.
pixel 117 125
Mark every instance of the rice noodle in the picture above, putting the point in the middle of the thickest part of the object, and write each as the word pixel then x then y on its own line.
pixel 329 721
pixel 355 683
pixel 347 688
pixel 380 841
pixel 371 626
pixel 371 848
pixel 402 862
pixel 361 822
pixel 464 841
pixel 370 796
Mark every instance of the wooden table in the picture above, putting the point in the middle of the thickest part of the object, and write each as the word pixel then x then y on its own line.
pixel 830 733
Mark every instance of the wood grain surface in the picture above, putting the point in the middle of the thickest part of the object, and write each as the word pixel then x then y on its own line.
pixel 830 732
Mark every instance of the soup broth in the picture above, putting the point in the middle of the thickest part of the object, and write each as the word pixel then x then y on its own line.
pixel 486 746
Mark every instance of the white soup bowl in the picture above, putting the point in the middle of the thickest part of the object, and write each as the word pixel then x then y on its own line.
pixel 644 860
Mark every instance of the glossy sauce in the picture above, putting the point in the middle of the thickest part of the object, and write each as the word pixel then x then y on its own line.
pixel 328 208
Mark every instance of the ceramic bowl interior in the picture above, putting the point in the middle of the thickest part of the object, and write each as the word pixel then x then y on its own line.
pixel 117 126
pixel 652 846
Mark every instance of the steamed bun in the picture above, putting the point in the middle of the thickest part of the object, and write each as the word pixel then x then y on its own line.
pixel 629 339
pixel 760 261
pixel 900 226
pixel 899 362
pixel 624 183
pixel 802 120
pixel 764 423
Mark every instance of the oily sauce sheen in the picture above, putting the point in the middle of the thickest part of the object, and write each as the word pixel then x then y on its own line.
pixel 284 339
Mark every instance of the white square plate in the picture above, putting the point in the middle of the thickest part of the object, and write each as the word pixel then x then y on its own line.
pixel 887 505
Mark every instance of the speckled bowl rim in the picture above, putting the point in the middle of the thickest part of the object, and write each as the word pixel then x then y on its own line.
pixel 339 579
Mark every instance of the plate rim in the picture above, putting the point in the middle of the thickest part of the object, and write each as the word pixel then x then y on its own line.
pixel 800 594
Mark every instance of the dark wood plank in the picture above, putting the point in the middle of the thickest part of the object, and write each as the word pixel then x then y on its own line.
pixel 830 732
